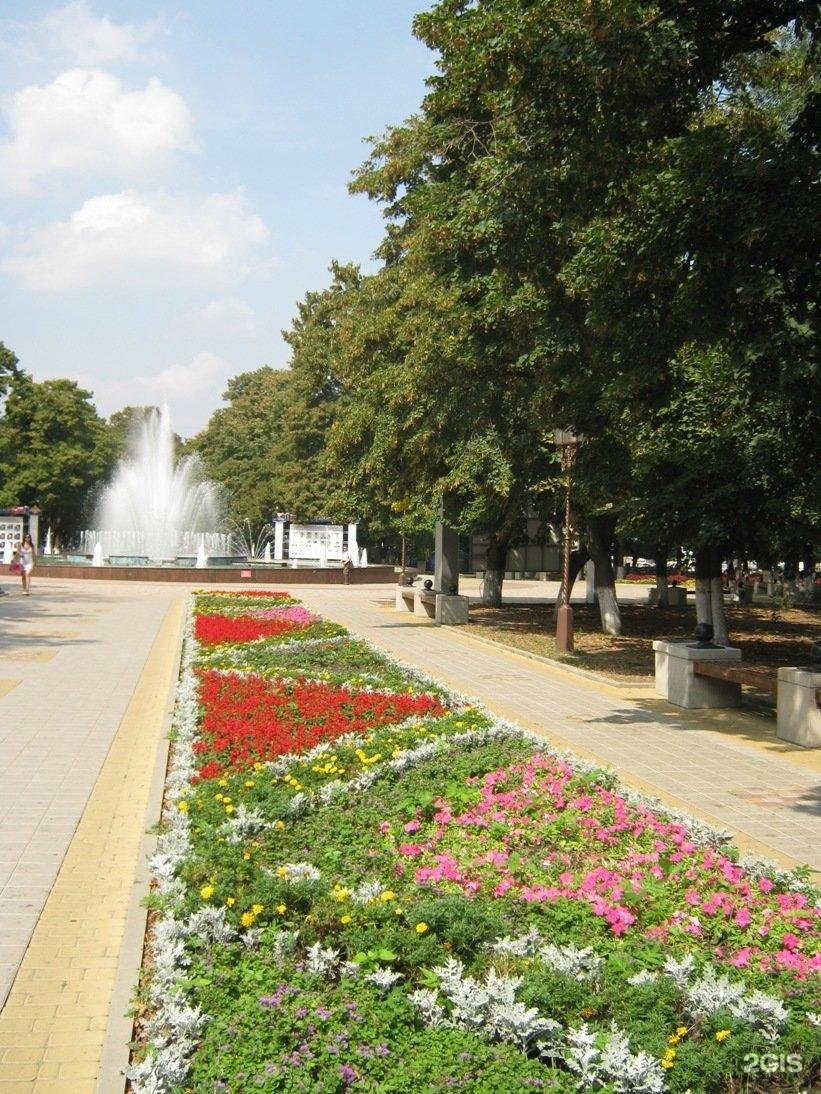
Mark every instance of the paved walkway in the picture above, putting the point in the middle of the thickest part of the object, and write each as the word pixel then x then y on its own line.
pixel 86 676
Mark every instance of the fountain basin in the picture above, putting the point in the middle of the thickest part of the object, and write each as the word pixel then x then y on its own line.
pixel 246 574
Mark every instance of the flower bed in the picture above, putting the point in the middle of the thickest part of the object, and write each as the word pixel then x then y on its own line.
pixel 365 882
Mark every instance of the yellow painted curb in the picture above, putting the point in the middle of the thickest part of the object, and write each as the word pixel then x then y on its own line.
pixel 53 1026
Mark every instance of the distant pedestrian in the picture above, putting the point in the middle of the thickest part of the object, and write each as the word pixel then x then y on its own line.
pixel 347 566
pixel 28 554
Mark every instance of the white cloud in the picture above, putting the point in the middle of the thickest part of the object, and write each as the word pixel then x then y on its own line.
pixel 202 376
pixel 228 316
pixel 139 239
pixel 86 120
pixel 91 41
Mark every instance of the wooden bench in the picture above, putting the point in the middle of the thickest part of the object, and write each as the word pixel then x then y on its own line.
pixel 752 676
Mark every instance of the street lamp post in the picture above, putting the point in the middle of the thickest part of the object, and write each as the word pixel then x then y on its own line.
pixel 567 443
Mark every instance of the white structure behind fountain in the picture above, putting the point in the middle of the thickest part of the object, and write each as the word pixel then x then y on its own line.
pixel 155 508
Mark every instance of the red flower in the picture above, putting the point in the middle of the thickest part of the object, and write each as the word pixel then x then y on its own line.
pixel 250 718
pixel 210 630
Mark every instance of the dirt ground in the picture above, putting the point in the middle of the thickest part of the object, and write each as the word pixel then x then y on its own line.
pixel 765 636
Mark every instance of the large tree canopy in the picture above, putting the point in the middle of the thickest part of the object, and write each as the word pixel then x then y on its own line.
pixel 54 450
pixel 599 211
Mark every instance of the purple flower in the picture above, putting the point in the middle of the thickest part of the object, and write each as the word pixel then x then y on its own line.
pixel 347 1074
pixel 382 1050
pixel 322 1012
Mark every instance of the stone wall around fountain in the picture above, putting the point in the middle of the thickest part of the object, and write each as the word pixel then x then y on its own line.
pixel 216 575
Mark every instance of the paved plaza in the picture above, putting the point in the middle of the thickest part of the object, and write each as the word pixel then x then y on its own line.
pixel 87 672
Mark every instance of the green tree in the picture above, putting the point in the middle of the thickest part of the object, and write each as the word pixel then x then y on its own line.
pixel 544 122
pixel 8 368
pixel 54 450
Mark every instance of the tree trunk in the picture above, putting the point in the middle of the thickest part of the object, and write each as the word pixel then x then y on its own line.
pixel 601 531
pixel 660 559
pixel 491 590
pixel 578 559
pixel 719 619
pixel 710 593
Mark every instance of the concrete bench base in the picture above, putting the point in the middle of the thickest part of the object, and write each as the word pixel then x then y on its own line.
pixel 677 683
pixel 799 715
pixel 451 611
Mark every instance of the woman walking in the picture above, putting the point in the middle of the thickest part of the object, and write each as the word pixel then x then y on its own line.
pixel 27 556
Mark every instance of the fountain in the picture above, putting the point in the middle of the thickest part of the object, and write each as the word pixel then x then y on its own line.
pixel 155 509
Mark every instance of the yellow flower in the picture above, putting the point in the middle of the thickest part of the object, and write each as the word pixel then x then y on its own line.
pixel 247 919
pixel 279 825
pixel 257 909
pixel 249 783
pixel 246 855
pixel 282 871
pixel 681 1031
pixel 673 1039
pixel 206 892
pixel 218 798
pixel 182 806
pixel 421 928
pixel 387 895
pixel 230 901
pixel 722 1035
pixel 222 782
pixel 345 919
pixel 281 908
pixel 229 809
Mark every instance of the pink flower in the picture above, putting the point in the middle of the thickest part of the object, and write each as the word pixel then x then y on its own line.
pixel 412 826
pixel 743 917
pixel 765 885
pixel 742 958
pixel 384 827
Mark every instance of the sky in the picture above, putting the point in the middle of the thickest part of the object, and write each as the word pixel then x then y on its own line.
pixel 173 180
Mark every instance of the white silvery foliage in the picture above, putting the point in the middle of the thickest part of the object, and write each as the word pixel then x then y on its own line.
pixel 814 1018
pixel 331 790
pixel 583 1055
pixel 285 943
pixel 638 1073
pixel 643 977
pixel 489 1008
pixel 758 867
pixel 426 1000
pixel 322 961
pixel 710 993
pixel 613 1065
pixel 383 978
pixel 298 804
pixel 292 872
pixel 523 946
pixel 251 938
pixel 763 1012
pixel 174 1028
pixel 244 824
pixel 581 964
pixel 367 892
pixel 680 972
pixel 208 923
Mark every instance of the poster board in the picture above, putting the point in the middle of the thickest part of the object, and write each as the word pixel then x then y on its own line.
pixel 11 532
pixel 308 541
